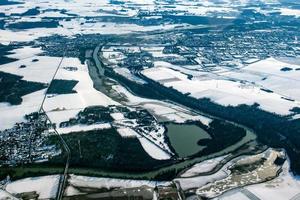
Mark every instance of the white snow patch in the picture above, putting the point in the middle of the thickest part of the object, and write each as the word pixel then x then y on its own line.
pixel 6 195
pixel 222 91
pixel 25 52
pixel 126 132
pixel 117 116
pixel 83 128
pixel 45 186
pixel 290 12
pixel 11 114
pixel 40 71
pixel 286 186
pixel 153 150
pixel 86 94
pixel 109 183
pixel 202 167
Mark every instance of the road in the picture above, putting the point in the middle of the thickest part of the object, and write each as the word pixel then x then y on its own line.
pixel 63 178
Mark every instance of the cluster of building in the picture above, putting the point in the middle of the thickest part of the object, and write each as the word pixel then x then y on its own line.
pixel 233 48
pixel 26 142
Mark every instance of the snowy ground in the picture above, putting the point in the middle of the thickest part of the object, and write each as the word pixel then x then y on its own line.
pixel 9 115
pixel 225 90
pixel 204 166
pixel 285 186
pixel 83 128
pixel 224 179
pixel 108 183
pixel 45 186
pixel 6 195
pixel 80 9
pixel 39 71
pixel 290 12
pixel 62 107
pixel 164 111
pixel 153 150
pixel 25 52
pixel 199 181
pixel 153 141
pixel 93 182
pixel 127 132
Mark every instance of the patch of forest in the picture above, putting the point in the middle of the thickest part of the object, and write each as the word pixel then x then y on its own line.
pixel 58 86
pixel 4 51
pixel 223 135
pixel 30 25
pixel 107 150
pixel 12 88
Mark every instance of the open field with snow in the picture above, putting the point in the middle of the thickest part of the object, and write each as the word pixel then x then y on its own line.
pixel 228 178
pixel 45 186
pixel 163 111
pixel 226 89
pixel 10 115
pixel 203 167
pixel 38 69
pixel 62 107
pixel 153 150
pixel 285 186
pixel 272 74
pixel 77 182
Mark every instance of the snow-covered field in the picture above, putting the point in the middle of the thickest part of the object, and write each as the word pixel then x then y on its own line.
pixel 38 69
pixel 25 52
pixel 199 181
pixel 108 183
pixel 224 179
pixel 153 150
pixel 82 9
pixel 83 128
pixel 268 74
pixel 93 182
pixel 9 115
pixel 5 195
pixel 290 12
pixel 41 70
pixel 127 132
pixel 105 8
pixel 202 167
pixel 152 141
pixel 164 110
pixel 60 106
pixel 45 186
pixel 285 186
pixel 225 90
